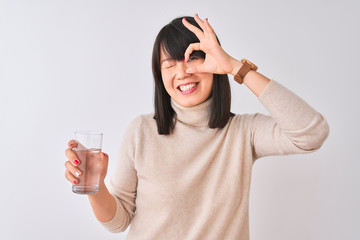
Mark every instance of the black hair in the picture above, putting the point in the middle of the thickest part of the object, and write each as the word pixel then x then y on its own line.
pixel 174 38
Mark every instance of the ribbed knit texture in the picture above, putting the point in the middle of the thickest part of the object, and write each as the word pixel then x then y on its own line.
pixel 194 184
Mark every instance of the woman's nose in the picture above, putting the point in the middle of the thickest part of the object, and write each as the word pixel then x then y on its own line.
pixel 181 70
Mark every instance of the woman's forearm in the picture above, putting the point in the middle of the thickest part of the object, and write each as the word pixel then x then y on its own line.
pixel 103 204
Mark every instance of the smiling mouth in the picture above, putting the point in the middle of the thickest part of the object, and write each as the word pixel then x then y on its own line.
pixel 187 87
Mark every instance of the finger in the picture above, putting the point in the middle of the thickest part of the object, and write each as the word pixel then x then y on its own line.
pixel 72 144
pixel 75 171
pixel 199 34
pixel 104 157
pixel 72 157
pixel 192 47
pixel 71 178
pixel 208 26
pixel 104 160
pixel 197 69
pixel 199 21
pixel 205 26
pixel 191 70
pixel 75 144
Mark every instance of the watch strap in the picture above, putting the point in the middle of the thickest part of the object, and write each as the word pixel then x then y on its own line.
pixel 245 68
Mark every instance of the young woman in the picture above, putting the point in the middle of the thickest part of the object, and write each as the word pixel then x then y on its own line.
pixel 184 172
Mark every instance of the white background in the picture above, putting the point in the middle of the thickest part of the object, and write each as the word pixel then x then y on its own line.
pixel 73 65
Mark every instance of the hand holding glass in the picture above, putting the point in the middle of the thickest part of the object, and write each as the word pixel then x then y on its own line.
pixel 88 151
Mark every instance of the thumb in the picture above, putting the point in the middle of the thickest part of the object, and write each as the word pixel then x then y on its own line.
pixel 104 160
pixel 196 69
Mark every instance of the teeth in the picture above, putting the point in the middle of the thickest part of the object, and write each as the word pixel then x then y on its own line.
pixel 185 88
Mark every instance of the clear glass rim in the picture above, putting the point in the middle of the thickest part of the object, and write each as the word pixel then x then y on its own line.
pixel 89 132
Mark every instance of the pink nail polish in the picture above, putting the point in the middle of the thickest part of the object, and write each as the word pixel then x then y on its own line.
pixel 74 182
pixel 185 19
pixel 76 162
pixel 71 145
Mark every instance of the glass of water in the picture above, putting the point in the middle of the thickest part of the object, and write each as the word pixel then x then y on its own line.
pixel 88 151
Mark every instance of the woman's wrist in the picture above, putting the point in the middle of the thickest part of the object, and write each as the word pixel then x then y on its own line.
pixel 103 203
pixel 236 65
pixel 102 190
pixel 255 81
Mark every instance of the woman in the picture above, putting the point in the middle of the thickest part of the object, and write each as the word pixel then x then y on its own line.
pixel 185 171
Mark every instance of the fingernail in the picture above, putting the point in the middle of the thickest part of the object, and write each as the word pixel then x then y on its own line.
pixel 77 174
pixel 185 19
pixel 206 19
pixel 76 162
pixel 71 144
pixel 75 182
pixel 184 59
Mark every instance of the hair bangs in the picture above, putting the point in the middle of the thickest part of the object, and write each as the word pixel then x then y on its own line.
pixel 176 39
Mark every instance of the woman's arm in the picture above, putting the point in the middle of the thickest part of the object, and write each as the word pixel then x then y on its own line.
pixel 121 189
pixel 294 126
pixel 113 211
pixel 103 204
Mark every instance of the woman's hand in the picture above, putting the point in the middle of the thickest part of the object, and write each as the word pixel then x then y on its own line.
pixel 73 172
pixel 217 60
pixel 102 203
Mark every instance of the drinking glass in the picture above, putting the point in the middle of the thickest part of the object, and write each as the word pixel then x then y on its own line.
pixel 88 152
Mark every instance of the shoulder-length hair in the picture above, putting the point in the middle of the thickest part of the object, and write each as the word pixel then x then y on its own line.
pixel 174 38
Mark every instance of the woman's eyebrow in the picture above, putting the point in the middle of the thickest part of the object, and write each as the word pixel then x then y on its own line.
pixel 166 59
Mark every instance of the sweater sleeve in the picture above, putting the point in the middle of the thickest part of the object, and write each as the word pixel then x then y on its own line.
pixel 293 127
pixel 123 181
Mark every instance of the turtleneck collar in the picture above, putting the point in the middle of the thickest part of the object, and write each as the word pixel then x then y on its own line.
pixel 197 116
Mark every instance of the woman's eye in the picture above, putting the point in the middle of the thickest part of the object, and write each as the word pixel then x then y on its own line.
pixel 192 58
pixel 167 66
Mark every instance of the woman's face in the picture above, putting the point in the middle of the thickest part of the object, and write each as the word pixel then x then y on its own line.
pixel 186 89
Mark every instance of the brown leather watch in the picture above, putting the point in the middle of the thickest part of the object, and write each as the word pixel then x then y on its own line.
pixel 245 68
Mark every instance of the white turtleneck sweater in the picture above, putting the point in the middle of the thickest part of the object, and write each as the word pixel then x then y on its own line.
pixel 194 184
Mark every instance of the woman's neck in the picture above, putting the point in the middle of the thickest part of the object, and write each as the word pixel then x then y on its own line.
pixel 197 116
